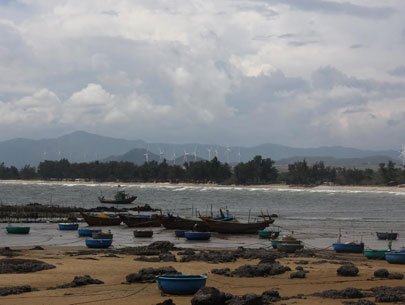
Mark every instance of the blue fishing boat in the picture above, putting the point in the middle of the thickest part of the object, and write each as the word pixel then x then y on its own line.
pixel 192 235
pixel 87 232
pixel 179 233
pixel 98 243
pixel 348 247
pixel 395 257
pixel 181 283
pixel 68 226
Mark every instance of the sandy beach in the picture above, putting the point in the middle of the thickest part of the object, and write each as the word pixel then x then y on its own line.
pixel 113 269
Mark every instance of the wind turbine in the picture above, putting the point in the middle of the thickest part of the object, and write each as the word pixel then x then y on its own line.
pixel 174 158
pixel 146 154
pixel 402 155
pixel 185 158
pixel 161 154
pixel 228 153
pixel 195 153
pixel 209 153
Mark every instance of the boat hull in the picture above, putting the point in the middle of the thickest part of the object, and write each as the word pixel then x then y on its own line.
pixel 98 243
pixel 143 233
pixel 180 283
pixel 395 257
pixel 348 248
pixel 99 221
pixel 197 235
pixel 374 254
pixel 387 235
pixel 175 222
pixel 289 247
pixel 112 201
pixel 136 221
pixel 227 227
pixel 17 230
pixel 68 226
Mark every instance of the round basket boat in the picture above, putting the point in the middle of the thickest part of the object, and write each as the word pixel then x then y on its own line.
pixel 143 233
pixel 395 257
pixel 98 243
pixel 68 226
pixel 87 232
pixel 181 283
pixel 17 230
pixel 191 235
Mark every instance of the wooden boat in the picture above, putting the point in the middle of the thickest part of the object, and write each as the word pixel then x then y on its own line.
pixel 180 283
pixel 348 247
pixel 87 232
pixel 68 226
pixel 290 246
pixel 230 227
pixel 120 197
pixel 102 235
pixel 192 235
pixel 98 243
pixel 374 254
pixel 395 257
pixel 387 235
pixel 143 221
pixel 101 219
pixel 17 230
pixel 143 233
pixel 176 222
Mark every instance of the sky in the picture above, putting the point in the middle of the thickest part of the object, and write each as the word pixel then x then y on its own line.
pixel 302 73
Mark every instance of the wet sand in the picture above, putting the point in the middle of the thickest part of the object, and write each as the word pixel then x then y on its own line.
pixel 113 270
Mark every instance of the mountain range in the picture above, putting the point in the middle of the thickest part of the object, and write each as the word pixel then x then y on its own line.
pixel 81 146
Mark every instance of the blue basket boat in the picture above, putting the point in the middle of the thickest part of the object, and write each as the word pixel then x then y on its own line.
pixel 87 232
pixel 181 283
pixel 179 233
pixel 68 226
pixel 98 243
pixel 191 235
pixel 348 248
pixel 395 257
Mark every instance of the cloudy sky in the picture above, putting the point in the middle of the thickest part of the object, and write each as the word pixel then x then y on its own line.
pixel 295 72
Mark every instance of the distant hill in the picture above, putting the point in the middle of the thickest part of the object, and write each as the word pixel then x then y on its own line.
pixel 81 146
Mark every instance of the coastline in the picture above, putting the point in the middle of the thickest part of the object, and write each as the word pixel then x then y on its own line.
pixel 112 270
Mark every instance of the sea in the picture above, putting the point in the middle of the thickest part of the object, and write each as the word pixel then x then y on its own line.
pixel 314 215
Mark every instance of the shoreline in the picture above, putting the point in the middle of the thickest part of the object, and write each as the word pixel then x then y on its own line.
pixel 113 268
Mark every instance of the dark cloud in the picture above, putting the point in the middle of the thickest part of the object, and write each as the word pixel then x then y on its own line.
pixel 333 7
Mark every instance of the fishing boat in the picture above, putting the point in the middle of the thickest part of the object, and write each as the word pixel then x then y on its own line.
pixel 387 235
pixel 67 226
pixel 17 230
pixel 143 233
pixel 98 243
pixel 290 246
pixel 176 222
pixel 231 227
pixel 140 220
pixel 179 233
pixel 269 233
pixel 101 219
pixel 87 232
pixel 181 283
pixel 395 257
pixel 102 235
pixel 192 235
pixel 374 254
pixel 351 247
pixel 120 197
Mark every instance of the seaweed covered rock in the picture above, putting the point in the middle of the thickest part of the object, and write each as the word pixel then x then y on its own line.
pixel 214 257
pixel 209 296
pixel 147 275
pixel 300 274
pixel 162 246
pixel 167 302
pixel 360 302
pixel 260 270
pixel 381 273
pixel 20 265
pixel 347 270
pixel 386 294
pixel 222 271
pixel 80 281
pixel 395 276
pixel 247 299
pixel 8 252
pixel 15 290
pixel 347 293
pixel 271 296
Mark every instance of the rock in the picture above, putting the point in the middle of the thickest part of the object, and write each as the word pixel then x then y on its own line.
pixel 395 276
pixel 209 296
pixel 167 302
pixel 260 270
pixel 186 252
pixel 15 290
pixel 347 293
pixel 162 246
pixel 386 294
pixel 247 299
pixel 79 281
pixel 347 270
pixel 20 265
pixel 302 262
pixel 300 274
pixel 147 275
pixel 152 259
pixel 381 273
pixel 222 271
pixel 37 248
pixel 271 296
pixel 211 257
pixel 8 252
pixel 167 257
pixel 360 302
pixel 299 268
pixel 267 260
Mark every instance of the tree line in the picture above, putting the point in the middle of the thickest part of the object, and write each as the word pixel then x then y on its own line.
pixel 256 171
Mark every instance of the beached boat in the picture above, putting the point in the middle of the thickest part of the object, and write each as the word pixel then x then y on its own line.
pixel 102 235
pixel 17 230
pixel 87 232
pixel 98 243
pixel 141 221
pixel 101 219
pixel 143 233
pixel 181 283
pixel 290 246
pixel 231 227
pixel 176 222
pixel 191 235
pixel 348 247
pixel 68 226
pixel 120 197
pixel 387 235
pixel 395 257
pixel 374 254
pixel 179 233
pixel 269 233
